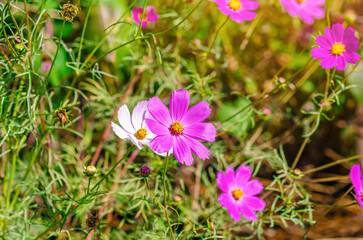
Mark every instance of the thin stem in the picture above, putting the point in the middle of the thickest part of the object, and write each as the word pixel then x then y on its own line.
pixel 302 147
pixel 204 70
pixel 328 12
pixel 56 54
pixel 142 18
pixel 88 185
pixel 333 164
pixel 29 35
pixel 83 33
pixel 166 167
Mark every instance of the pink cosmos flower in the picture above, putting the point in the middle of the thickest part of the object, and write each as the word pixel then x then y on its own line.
pixel 181 128
pixel 239 193
pixel 357 181
pixel 337 47
pixel 149 15
pixel 238 10
pixel 307 10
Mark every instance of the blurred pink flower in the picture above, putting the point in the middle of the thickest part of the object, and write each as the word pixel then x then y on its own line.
pixel 357 181
pixel 239 193
pixel 177 198
pixel 337 47
pixel 149 15
pixel 238 10
pixel 267 111
pixel 181 128
pixel 307 10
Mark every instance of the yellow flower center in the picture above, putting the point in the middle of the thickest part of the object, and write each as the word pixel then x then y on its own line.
pixel 337 49
pixel 141 134
pixel 237 194
pixel 300 1
pixel 176 128
pixel 145 16
pixel 235 4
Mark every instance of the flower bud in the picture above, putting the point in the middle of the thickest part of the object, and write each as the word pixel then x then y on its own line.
pixel 145 171
pixel 62 116
pixel 91 171
pixel 19 48
pixel 69 12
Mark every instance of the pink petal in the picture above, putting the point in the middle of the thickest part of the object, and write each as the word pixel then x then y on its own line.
pixel 323 41
pixel 159 112
pixel 224 181
pixel 248 213
pixel 306 17
pixel 152 17
pixel 328 62
pixel 253 187
pixel 234 213
pixel 320 53
pixel 243 174
pixel 340 64
pixel 179 103
pixel 359 200
pixel 198 113
pixel 225 200
pixel 156 127
pixel 329 35
pixel 351 57
pixel 198 149
pixel 182 151
pixel 138 114
pixel 355 177
pixel 254 203
pixel 350 42
pixel 162 144
pixel 338 32
pixel 250 5
pixel 201 131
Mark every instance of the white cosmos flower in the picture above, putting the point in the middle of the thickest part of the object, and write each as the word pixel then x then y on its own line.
pixel 134 127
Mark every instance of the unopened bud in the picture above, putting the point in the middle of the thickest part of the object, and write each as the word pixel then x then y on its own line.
pixel 19 48
pixel 91 171
pixel 145 171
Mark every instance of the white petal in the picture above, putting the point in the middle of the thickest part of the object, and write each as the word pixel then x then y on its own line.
pixel 120 132
pixel 138 114
pixel 135 141
pixel 124 118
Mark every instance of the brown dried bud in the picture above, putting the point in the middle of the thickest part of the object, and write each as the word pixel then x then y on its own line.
pixel 91 221
pixel 62 116
pixel 69 12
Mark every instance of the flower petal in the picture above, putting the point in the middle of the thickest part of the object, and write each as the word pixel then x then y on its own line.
pixel 124 118
pixel 234 213
pixel 224 181
pixel 138 114
pixel 323 41
pixel 156 127
pixel 225 200
pixel 351 57
pixel 329 35
pixel 355 177
pixel 328 62
pixel 179 103
pixel 119 131
pixel 159 111
pixel 338 32
pixel 182 151
pixel 340 64
pixel 198 113
pixel 201 131
pixel 162 144
pixel 248 213
pixel 253 187
pixel 254 203
pixel 198 149
pixel 250 5
pixel 243 174
pixel 320 53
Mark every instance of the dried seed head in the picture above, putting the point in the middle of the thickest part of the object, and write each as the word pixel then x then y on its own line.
pixel 62 116
pixel 91 171
pixel 91 222
pixel 69 12
pixel 145 171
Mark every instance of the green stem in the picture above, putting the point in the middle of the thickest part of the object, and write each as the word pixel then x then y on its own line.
pixel 333 164
pixel 152 195
pixel 56 54
pixel 164 175
pixel 83 33
pixel 142 18
pixel 88 185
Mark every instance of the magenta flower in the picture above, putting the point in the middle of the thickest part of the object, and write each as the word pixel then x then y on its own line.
pixel 149 15
pixel 307 10
pixel 239 193
pixel 238 10
pixel 357 181
pixel 337 47
pixel 181 128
